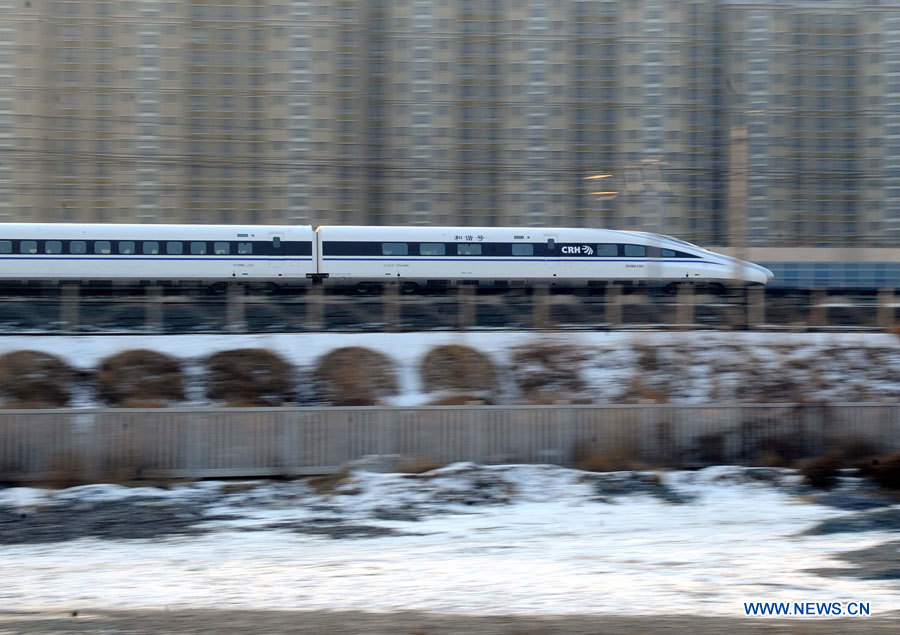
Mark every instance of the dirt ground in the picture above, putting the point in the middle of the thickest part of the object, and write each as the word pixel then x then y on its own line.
pixel 411 623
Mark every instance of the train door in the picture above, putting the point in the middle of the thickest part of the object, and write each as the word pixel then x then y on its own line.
pixel 551 254
pixel 277 263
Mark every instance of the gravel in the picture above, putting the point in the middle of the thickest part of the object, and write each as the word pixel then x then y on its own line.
pixel 121 519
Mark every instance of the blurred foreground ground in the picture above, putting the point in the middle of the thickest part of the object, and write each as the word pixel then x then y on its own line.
pixel 463 540
pixel 412 623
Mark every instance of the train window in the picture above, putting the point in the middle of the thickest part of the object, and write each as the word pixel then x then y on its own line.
pixel 174 248
pixel 221 248
pixel 198 248
pixel 28 247
pixel 606 250
pixel 432 249
pixel 5 246
pixel 53 247
pixel 350 248
pixel 78 247
pixel 667 253
pixel 102 247
pixel 126 247
pixel 150 248
pixel 551 244
pixel 394 249
pixel 276 242
pixel 468 249
pixel 245 248
pixel 635 251
pixel 522 249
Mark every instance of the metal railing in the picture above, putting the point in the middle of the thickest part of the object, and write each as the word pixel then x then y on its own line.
pixel 71 310
pixel 117 444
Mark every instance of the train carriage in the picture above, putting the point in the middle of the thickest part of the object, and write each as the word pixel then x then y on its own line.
pixel 45 252
pixel 424 255
pixel 357 255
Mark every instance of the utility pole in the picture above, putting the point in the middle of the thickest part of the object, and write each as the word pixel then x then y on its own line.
pixel 737 208
pixel 737 194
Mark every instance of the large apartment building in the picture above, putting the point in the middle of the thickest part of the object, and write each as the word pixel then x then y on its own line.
pixel 765 123
pixel 144 111
pixel 816 87
pixel 501 112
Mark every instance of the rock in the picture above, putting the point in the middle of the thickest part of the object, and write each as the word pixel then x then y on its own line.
pixel 611 484
pixel 881 520
pixel 851 501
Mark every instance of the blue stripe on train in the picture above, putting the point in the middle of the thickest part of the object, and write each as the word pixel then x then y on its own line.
pixel 502 259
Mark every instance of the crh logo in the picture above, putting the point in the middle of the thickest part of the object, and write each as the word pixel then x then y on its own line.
pixel 575 250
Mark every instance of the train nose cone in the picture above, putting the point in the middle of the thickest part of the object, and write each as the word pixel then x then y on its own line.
pixel 755 273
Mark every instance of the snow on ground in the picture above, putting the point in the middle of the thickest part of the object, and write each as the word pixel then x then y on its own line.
pixel 463 539
pixel 697 366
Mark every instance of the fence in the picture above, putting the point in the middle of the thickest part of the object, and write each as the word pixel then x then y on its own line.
pixel 99 445
pixel 73 310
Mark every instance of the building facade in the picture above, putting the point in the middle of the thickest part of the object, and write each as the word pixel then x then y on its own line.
pixel 815 87
pixel 619 114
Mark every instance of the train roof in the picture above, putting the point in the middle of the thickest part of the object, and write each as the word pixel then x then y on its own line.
pixel 134 230
pixel 462 233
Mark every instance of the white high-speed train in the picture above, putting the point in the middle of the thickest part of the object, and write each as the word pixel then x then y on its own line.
pixel 359 256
